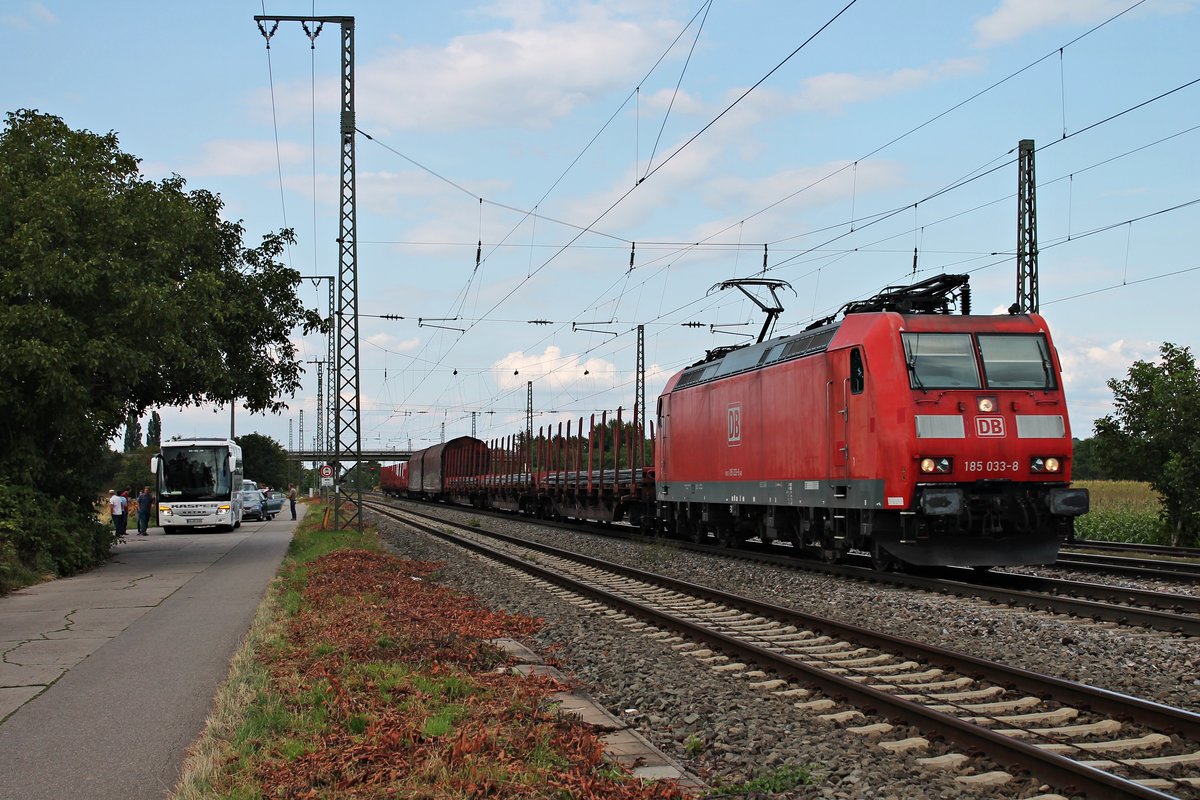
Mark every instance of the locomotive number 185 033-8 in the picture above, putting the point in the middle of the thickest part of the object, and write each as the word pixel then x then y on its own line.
pixel 991 466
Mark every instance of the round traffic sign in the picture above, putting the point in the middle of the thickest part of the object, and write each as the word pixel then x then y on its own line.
pixel 326 470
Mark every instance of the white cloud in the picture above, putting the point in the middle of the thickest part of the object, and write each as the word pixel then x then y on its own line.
pixel 833 91
pixel 1087 366
pixel 228 157
pixel 1015 18
pixel 393 344
pixel 43 13
pixel 678 102
pixel 35 12
pixel 518 367
pixel 526 75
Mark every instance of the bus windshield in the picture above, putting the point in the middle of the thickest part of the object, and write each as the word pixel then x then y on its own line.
pixel 195 473
pixel 1016 361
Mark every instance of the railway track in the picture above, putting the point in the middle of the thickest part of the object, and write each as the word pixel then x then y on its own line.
pixel 1075 737
pixel 1157 550
pixel 1155 568
pixel 1168 612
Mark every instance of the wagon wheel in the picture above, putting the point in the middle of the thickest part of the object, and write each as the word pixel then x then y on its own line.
pixel 726 535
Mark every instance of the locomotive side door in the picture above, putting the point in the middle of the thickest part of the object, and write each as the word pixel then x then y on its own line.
pixel 663 446
pixel 843 391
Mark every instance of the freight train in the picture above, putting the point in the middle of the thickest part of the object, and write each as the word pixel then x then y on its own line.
pixel 896 428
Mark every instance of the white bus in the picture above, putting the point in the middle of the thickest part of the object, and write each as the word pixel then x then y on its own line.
pixel 199 484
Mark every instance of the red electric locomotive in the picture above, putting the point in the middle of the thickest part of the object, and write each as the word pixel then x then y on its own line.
pixel 900 430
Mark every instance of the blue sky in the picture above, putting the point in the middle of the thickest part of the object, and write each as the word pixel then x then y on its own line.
pixel 566 108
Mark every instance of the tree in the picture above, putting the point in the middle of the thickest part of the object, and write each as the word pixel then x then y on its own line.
pixel 133 433
pixel 1084 464
pixel 1154 434
pixel 100 269
pixel 264 460
pixel 154 430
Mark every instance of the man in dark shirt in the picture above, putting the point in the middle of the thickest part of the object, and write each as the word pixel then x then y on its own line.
pixel 145 501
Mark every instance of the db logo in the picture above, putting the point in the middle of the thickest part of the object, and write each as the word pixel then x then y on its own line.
pixel 735 424
pixel 989 426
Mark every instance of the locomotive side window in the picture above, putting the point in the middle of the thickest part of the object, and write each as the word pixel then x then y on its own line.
pixel 940 361
pixel 1016 361
pixel 858 374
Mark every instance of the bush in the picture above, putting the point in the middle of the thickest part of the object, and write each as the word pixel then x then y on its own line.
pixel 46 536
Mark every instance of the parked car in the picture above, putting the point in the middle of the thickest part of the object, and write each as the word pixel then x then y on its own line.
pixel 254 505
pixel 274 502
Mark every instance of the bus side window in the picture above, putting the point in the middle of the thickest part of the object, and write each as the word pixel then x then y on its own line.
pixel 858 374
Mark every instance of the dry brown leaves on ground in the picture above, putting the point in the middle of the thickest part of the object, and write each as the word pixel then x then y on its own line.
pixel 386 687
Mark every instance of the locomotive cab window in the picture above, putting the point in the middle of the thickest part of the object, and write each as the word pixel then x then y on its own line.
pixel 940 361
pixel 858 374
pixel 1016 361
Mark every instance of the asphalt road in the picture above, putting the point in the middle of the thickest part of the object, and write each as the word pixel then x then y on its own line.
pixel 107 678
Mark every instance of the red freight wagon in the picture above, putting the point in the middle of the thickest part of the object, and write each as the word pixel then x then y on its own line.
pixel 922 438
pixel 449 468
pixel 393 479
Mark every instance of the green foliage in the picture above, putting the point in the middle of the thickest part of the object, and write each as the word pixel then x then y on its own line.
pixel 104 270
pixel 1121 511
pixel 133 433
pixel 154 430
pixel 45 536
pixel 119 294
pixel 783 779
pixel 693 745
pixel 1085 466
pixel 265 460
pixel 132 470
pixel 1154 435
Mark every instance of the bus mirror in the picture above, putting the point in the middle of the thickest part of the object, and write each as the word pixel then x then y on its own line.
pixel 154 465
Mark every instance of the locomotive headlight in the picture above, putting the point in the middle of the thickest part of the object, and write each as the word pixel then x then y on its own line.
pixel 936 465
pixel 1040 464
pixel 986 405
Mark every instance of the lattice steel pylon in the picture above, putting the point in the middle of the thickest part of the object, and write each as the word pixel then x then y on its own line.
pixel 321 442
pixel 1027 252
pixel 347 445
pixel 639 391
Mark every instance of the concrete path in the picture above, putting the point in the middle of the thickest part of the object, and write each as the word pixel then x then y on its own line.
pixel 107 678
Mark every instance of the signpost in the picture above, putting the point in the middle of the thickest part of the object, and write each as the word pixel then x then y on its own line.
pixel 326 475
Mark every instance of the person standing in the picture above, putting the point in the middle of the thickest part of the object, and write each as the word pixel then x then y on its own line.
pixel 145 501
pixel 292 498
pixel 116 506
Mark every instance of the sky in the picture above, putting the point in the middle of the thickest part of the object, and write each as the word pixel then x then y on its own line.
pixel 557 139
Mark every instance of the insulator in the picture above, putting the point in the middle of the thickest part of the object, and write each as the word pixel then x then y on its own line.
pixel 966 299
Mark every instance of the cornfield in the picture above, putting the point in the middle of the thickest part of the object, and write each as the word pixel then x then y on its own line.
pixel 1121 511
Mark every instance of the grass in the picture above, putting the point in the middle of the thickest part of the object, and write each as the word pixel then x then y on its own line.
pixel 782 779
pixel 356 680
pixel 1121 511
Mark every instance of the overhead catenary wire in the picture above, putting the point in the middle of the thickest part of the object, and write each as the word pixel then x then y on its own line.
pixel 809 251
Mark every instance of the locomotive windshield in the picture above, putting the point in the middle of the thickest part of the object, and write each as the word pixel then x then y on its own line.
pixel 940 361
pixel 1016 361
